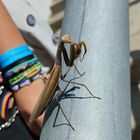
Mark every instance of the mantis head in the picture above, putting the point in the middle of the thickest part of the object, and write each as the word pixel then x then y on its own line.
pixel 76 50
pixel 66 39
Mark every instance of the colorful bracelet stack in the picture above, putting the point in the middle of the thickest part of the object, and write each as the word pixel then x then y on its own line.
pixel 19 67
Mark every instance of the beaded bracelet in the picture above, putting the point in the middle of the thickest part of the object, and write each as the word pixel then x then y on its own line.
pixel 8 109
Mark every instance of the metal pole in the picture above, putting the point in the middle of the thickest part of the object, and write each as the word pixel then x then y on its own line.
pixel 103 25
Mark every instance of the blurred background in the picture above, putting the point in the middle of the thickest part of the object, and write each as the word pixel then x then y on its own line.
pixel 51 21
pixel 134 31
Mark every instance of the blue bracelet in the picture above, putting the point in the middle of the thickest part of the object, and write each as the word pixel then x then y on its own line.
pixel 13 51
pixel 13 55
pixel 15 58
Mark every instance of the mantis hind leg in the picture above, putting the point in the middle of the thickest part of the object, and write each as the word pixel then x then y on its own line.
pixel 60 108
pixel 83 85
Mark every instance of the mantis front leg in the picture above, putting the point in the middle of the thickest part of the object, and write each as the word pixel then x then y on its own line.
pixel 75 69
pixel 75 51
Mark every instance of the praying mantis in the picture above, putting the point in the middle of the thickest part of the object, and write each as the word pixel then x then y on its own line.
pixel 52 83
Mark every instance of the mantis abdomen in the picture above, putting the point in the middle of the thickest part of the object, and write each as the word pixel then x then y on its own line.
pixel 45 95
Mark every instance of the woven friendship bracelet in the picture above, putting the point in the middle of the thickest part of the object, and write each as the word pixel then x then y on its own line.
pixel 6 103
pixel 25 74
pixel 21 67
pixel 7 106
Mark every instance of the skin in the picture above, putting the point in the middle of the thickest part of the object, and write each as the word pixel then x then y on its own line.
pixel 27 96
